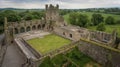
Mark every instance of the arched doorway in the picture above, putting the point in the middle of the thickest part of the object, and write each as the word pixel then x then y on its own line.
pixel 16 31
pixel 43 25
pixel 33 27
pixel 63 33
pixel 39 27
pixel 22 29
pixel 70 35
pixel 28 28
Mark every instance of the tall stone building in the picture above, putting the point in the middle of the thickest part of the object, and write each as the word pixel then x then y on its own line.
pixel 53 18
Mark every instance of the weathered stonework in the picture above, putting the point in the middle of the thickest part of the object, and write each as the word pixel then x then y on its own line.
pixel 55 23
pixel 107 57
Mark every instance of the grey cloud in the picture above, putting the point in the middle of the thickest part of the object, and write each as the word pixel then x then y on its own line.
pixel 27 1
pixel 63 3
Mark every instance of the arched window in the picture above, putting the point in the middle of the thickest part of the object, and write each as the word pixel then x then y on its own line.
pixel 39 27
pixel 16 31
pixel 63 33
pixel 22 29
pixel 71 35
pixel 28 28
pixel 33 27
pixel 43 25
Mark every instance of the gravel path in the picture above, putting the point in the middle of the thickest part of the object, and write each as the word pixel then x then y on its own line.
pixel 12 57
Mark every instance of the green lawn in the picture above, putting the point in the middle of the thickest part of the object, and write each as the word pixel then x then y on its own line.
pixel 89 14
pixel 48 43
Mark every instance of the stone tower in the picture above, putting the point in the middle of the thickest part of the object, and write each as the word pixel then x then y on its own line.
pixel 52 12
pixel 51 16
pixel 8 31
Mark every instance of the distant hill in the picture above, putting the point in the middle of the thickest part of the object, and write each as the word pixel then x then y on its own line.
pixel 19 10
pixel 9 9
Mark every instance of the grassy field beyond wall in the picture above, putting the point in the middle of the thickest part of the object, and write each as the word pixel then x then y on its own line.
pixel 109 28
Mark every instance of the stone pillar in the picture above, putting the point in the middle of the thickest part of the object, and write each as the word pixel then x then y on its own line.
pixel 18 30
pixel 114 36
pixel 8 32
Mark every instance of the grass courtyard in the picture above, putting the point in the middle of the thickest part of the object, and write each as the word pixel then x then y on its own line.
pixel 48 43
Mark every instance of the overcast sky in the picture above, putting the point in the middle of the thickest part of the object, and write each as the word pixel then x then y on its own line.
pixel 69 4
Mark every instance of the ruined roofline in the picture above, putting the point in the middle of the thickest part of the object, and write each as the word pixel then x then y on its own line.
pixel 50 6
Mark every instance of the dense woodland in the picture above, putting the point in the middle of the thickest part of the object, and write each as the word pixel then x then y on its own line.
pixel 76 16
pixel 18 15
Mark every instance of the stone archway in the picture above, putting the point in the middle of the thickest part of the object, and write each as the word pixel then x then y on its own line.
pixel 34 27
pixel 15 30
pixel 43 25
pixel 39 27
pixel 70 35
pixel 28 28
pixel 22 29
pixel 64 33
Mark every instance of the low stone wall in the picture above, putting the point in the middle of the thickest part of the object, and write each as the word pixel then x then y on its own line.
pixel 3 48
pixel 31 49
pixel 66 33
pixel 107 56
pixel 2 53
pixel 21 52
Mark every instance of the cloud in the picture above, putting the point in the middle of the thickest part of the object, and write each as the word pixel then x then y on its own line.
pixel 63 3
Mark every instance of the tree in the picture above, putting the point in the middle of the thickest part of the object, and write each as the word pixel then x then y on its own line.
pixel 38 15
pixel 28 17
pixel 97 18
pixel 82 20
pixel 11 15
pixel 73 18
pixel 118 21
pixel 101 27
pixel 109 20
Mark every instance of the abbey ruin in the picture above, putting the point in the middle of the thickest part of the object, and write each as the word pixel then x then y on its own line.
pixel 96 44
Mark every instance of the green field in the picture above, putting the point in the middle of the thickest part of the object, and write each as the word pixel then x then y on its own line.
pixel 89 14
pixel 109 28
pixel 74 58
pixel 48 43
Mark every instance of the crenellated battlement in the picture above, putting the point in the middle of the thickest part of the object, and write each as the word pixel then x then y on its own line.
pixel 51 7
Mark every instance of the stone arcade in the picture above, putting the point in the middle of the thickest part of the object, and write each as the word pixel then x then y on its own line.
pixel 96 44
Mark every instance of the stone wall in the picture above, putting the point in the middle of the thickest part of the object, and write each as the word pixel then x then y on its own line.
pixel 75 33
pixel 37 54
pixel 65 33
pixel 72 32
pixel 25 26
pixel 3 48
pixel 102 54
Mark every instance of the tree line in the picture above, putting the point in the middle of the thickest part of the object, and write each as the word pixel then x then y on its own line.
pixel 97 19
pixel 14 16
